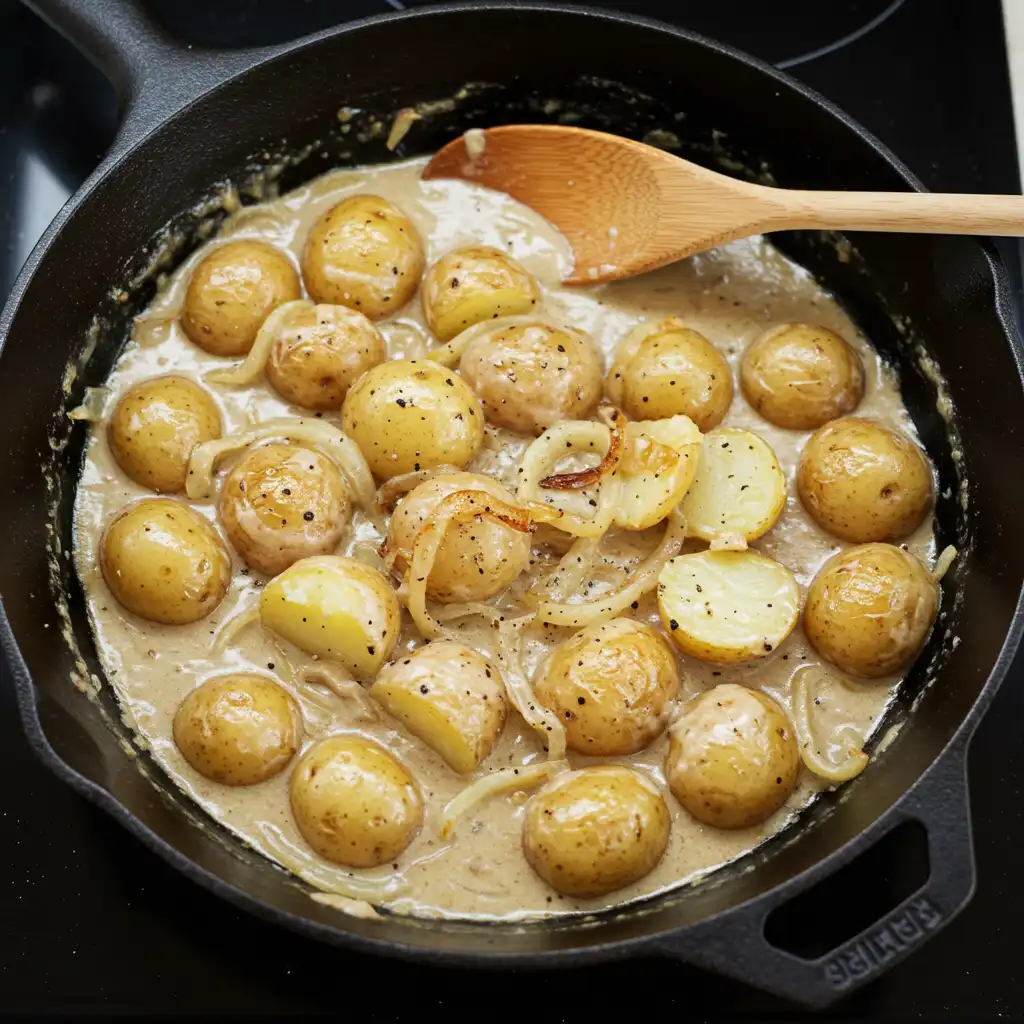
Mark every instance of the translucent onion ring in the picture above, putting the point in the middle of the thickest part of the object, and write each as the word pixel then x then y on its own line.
pixel 856 759
pixel 391 490
pixel 451 354
pixel 252 366
pixel 588 477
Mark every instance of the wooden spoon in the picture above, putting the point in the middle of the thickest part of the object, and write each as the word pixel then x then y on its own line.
pixel 626 208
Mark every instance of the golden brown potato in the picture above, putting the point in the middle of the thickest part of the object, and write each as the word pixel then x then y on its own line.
pixel 238 729
pixel 530 376
pixel 409 414
pixel 281 503
pixel 476 559
pixel 363 253
pixel 335 608
pixel 320 353
pixel 590 832
pixel 671 371
pixel 733 757
pixel 870 608
pixel 450 697
pixel 354 803
pixel 801 376
pixel 232 291
pixel 163 561
pixel 863 482
pixel 155 426
pixel 475 283
pixel 610 685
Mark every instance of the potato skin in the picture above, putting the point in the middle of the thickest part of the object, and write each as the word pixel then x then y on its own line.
pixel 354 803
pixel 870 608
pixel 238 729
pixel 674 371
pixel 232 291
pixel 530 376
pixel 472 284
pixel 164 562
pixel 450 697
pixel 282 502
pixel 409 414
pixel 154 427
pixel 801 376
pixel 363 253
pixel 476 559
pixel 863 482
pixel 321 353
pixel 610 685
pixel 733 757
pixel 590 832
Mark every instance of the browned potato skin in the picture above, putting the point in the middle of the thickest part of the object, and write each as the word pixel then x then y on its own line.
pixel 610 686
pixel 476 559
pixel 863 482
pixel 320 355
pixel 363 253
pixel 869 610
pixel 231 293
pixel 155 426
pixel 733 757
pixel 531 376
pixel 590 832
pixel 282 502
pixel 676 371
pixel 354 803
pixel 800 376
pixel 164 562
pixel 238 729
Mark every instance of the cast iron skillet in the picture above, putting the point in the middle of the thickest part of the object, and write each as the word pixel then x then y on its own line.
pixel 195 120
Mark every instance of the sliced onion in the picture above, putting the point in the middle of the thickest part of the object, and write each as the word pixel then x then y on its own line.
pixel 575 567
pixel 856 759
pixel 451 354
pixel 252 366
pixel 93 403
pixel 505 780
pixel 642 580
pixel 589 477
pixel 400 126
pixel 946 558
pixel 391 490
pixel 234 625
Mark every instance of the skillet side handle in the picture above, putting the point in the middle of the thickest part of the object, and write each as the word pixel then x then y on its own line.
pixel 734 944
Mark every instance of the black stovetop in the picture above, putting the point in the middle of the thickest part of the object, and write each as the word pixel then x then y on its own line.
pixel 92 921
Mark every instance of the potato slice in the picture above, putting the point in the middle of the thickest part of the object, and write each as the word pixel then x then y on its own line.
pixel 739 490
pixel 658 467
pixel 727 606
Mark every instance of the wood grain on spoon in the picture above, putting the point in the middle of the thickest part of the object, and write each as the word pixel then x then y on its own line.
pixel 626 207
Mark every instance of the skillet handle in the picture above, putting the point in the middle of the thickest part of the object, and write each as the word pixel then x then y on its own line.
pixel 734 943
pixel 153 74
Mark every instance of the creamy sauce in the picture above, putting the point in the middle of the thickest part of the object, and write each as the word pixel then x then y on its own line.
pixel 730 295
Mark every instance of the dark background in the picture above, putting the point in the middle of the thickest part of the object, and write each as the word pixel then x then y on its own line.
pixel 90 921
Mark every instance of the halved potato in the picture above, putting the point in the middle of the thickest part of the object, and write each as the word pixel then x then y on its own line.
pixel 739 490
pixel 657 468
pixel 727 606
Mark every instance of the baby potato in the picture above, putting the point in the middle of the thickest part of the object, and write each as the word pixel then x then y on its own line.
pixel 238 729
pixel 282 502
pixel 477 559
pixel 658 467
pixel 232 291
pixel 363 253
pixel 863 482
pixel 407 414
pixel 475 283
pixel 335 608
pixel 733 757
pixel 320 354
pixel 870 608
pixel 354 803
pixel 448 696
pixel 530 376
pixel 801 376
pixel 727 606
pixel 739 490
pixel 672 371
pixel 164 562
pixel 155 426
pixel 590 832
pixel 610 685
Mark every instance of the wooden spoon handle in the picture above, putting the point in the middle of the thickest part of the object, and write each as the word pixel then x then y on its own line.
pixel 931 212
